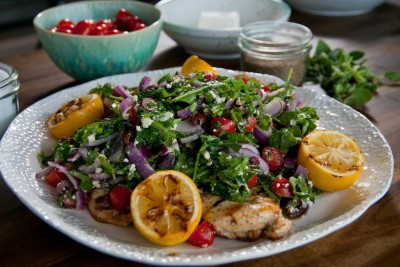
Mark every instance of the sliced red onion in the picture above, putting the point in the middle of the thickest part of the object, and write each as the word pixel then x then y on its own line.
pixel 80 199
pixel 230 103
pixel 186 127
pixel 121 91
pixel 294 102
pixel 274 93
pixel 145 151
pixel 196 84
pixel 175 146
pixel 64 170
pixel 275 107
pixel 184 113
pixel 301 170
pixel 250 147
pixel 162 84
pixel 44 172
pixel 145 83
pixel 262 136
pixel 248 152
pixel 190 76
pixel 189 138
pixel 84 152
pixel 142 166
pixel 74 156
pixel 125 105
pixel 289 162
pixel 103 140
pixel 168 162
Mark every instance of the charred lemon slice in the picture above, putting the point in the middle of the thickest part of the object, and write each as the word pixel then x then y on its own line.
pixel 195 64
pixel 166 207
pixel 75 114
pixel 333 159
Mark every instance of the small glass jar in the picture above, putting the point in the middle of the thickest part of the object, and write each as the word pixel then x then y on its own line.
pixel 275 47
pixel 9 86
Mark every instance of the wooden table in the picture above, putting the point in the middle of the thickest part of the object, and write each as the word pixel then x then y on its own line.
pixel 373 239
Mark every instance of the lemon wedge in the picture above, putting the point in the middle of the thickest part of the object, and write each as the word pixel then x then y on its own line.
pixel 333 159
pixel 196 64
pixel 166 207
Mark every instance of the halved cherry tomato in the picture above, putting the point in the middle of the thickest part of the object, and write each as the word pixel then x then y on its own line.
pixel 220 125
pixel 266 88
pixel 282 187
pixel 120 198
pixel 55 177
pixel 250 124
pixel 210 76
pixel 274 157
pixel 252 181
pixel 203 236
pixel 76 114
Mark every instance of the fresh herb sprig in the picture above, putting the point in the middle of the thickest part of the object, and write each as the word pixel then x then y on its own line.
pixel 344 75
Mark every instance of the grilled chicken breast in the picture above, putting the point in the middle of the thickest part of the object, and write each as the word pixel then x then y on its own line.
pixel 245 220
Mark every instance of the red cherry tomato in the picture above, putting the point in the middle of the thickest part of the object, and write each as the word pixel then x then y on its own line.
pixel 203 236
pixel 250 124
pixel 210 76
pixel 55 177
pixel 120 198
pixel 220 125
pixel 66 24
pixel 98 30
pixel 282 187
pixel 123 18
pixel 252 181
pixel 274 157
pixel 84 27
pixel 106 23
pixel 266 88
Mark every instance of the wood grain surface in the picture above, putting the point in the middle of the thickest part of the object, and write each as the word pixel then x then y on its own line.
pixel 372 240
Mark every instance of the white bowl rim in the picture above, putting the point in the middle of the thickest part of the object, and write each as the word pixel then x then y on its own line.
pixel 208 32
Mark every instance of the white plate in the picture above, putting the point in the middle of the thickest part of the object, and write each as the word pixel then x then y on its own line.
pixel 27 135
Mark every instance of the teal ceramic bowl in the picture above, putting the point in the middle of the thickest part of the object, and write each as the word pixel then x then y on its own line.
pixel 89 57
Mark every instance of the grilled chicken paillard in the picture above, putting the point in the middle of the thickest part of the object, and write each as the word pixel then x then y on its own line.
pixel 245 220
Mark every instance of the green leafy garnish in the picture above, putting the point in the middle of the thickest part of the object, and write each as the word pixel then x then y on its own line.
pixel 343 75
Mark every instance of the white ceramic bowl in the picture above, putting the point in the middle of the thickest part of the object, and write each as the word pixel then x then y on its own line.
pixel 334 8
pixel 181 22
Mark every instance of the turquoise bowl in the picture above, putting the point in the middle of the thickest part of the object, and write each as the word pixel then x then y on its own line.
pixel 90 57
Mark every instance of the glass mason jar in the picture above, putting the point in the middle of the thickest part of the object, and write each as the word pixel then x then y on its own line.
pixel 9 86
pixel 275 48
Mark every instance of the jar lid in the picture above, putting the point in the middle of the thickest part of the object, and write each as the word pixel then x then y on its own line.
pixel 275 38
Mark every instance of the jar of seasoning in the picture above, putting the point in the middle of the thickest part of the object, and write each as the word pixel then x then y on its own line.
pixel 9 86
pixel 275 48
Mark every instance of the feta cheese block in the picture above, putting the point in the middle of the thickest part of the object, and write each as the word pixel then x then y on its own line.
pixel 219 20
